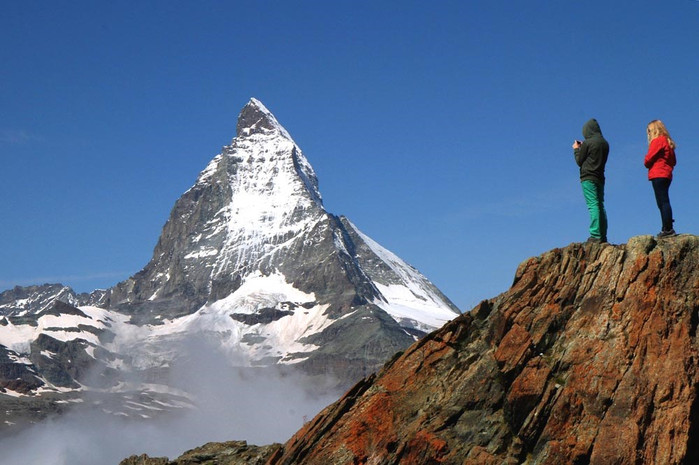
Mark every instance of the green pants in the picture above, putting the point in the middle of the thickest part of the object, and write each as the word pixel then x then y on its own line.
pixel 594 197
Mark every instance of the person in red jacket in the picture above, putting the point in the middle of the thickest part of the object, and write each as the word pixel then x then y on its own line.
pixel 660 160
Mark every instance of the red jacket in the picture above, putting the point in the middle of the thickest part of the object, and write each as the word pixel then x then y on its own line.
pixel 660 158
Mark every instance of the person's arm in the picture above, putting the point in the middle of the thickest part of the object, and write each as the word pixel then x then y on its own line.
pixel 580 152
pixel 655 151
pixel 672 160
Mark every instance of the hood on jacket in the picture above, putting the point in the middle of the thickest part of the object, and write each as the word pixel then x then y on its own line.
pixel 591 128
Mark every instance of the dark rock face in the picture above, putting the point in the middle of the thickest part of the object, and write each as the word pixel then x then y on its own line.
pixel 15 376
pixel 61 363
pixel 253 120
pixel 43 371
pixel 590 358
pixel 61 308
pixel 34 299
pixel 264 315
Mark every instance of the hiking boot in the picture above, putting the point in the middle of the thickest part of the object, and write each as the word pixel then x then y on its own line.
pixel 669 233
pixel 595 240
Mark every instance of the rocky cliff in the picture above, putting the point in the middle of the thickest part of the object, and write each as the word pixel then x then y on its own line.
pixel 590 358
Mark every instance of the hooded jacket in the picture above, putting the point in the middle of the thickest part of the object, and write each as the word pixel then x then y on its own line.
pixel 660 158
pixel 592 155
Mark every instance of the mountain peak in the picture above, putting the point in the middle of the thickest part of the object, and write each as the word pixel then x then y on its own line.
pixel 256 209
pixel 248 260
pixel 255 118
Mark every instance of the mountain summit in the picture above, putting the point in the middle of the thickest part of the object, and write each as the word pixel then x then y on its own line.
pixel 250 261
pixel 256 118
pixel 251 243
pixel 254 201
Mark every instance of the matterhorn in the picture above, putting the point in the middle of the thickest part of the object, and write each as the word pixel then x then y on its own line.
pixel 250 261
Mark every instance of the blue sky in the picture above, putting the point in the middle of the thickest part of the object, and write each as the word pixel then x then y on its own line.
pixel 441 129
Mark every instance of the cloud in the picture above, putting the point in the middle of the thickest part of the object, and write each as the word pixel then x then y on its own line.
pixel 261 407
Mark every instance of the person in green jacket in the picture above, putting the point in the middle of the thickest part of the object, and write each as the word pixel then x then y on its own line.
pixel 591 156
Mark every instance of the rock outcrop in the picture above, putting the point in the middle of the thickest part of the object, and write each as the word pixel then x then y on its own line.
pixel 221 453
pixel 590 358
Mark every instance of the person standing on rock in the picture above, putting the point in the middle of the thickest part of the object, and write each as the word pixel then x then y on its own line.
pixel 591 156
pixel 660 160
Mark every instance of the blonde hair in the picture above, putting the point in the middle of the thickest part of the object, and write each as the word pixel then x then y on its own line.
pixel 657 128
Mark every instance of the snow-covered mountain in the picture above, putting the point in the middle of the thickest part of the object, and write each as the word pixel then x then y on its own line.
pixel 250 261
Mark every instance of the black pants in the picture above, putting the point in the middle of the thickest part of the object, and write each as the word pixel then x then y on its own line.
pixel 661 186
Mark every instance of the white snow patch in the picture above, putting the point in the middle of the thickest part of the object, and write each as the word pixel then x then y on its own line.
pixel 281 337
pixel 201 253
pixel 412 302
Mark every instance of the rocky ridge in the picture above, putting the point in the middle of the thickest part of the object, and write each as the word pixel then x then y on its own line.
pixel 591 357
